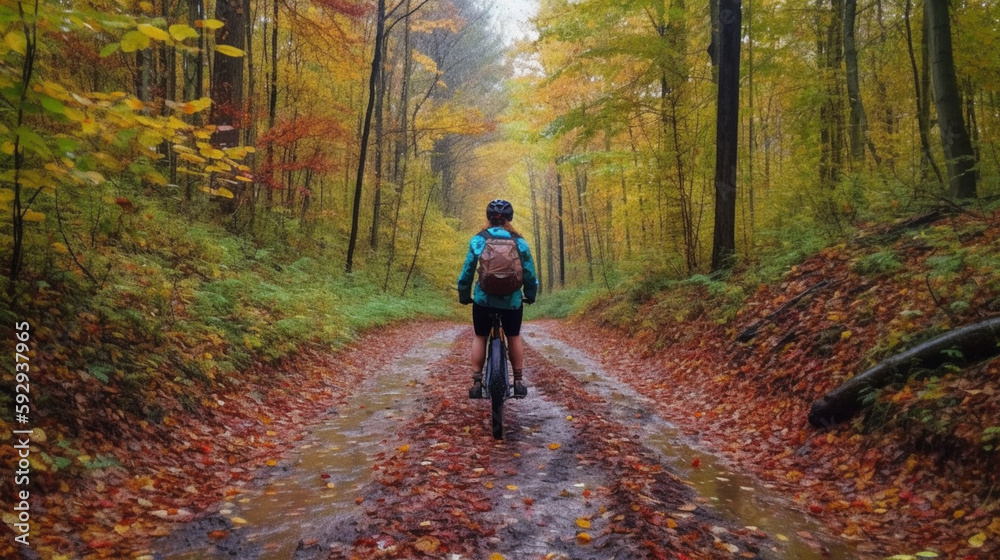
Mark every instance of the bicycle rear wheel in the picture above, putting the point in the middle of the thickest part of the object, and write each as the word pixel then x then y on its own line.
pixel 497 385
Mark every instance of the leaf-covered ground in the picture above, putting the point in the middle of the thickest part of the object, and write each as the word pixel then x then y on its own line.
pixel 568 481
pixel 135 481
pixel 919 470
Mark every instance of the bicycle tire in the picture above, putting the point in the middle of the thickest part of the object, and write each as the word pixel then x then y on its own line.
pixel 497 385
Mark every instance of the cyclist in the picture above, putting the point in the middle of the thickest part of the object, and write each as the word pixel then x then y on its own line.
pixel 499 213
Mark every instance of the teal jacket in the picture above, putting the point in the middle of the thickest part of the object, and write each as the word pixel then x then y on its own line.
pixel 466 278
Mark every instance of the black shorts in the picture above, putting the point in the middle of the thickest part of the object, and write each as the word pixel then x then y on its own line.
pixel 509 318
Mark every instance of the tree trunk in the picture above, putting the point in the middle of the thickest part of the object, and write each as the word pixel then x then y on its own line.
pixel 365 133
pixel 549 250
pixel 559 218
pixel 227 75
pixel 379 152
pixel 969 343
pixel 535 218
pixel 961 160
pixel 727 134
pixel 588 251
pixel 859 121
pixel 921 95
pixel 272 103
pixel 400 159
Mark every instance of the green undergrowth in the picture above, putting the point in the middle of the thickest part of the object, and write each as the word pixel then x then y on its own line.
pixel 175 307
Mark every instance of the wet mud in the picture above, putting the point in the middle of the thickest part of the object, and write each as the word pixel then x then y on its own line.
pixel 587 470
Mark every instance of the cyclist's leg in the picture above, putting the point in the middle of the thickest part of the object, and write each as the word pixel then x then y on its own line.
pixel 477 355
pixel 515 347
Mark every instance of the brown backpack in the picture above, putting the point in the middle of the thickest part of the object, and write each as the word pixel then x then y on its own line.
pixel 500 270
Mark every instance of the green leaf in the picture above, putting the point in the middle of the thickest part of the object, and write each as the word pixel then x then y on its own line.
pixel 927 554
pixel 109 50
pixel 100 371
pixel 52 105
pixel 30 140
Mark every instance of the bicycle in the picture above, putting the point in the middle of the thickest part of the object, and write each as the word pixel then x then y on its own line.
pixel 495 380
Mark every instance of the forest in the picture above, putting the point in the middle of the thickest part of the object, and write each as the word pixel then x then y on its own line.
pixel 202 196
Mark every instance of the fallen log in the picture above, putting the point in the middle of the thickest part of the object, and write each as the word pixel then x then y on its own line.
pixel 973 342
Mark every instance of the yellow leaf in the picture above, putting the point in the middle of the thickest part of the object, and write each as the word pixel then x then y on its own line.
pixel 554 446
pixel 229 50
pixel 224 192
pixel 121 529
pixel 583 538
pixel 271 462
pixel 583 523
pixel 496 556
pixel 146 6
pixel 209 23
pixel 134 41
pixel 88 126
pixel 60 248
pixel 489 485
pixel 403 448
pixel 977 540
pixel 427 545
pixel 155 178
pixel 781 537
pixel 32 216
pixel 238 521
pixel 16 41
pixel 153 32
pixel 192 158
pixel 6 195
pixel 181 31
pixel 135 104
pixel 74 114
pixel 511 487
pixel 845 335
pixel 671 524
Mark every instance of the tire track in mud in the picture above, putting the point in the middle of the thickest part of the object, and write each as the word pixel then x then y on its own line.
pixel 572 479
pixel 567 482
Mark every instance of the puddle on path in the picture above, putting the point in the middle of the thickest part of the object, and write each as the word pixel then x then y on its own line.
pixel 292 513
pixel 734 495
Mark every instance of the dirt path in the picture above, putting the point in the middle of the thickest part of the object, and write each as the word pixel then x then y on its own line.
pixel 407 468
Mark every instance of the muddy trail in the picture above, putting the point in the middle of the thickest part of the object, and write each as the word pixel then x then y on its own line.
pixel 407 468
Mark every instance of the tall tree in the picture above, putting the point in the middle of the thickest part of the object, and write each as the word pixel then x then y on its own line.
pixel 727 133
pixel 366 131
pixel 858 119
pixel 961 159
pixel 227 73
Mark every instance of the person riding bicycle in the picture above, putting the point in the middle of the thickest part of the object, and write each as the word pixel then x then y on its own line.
pixel 499 213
